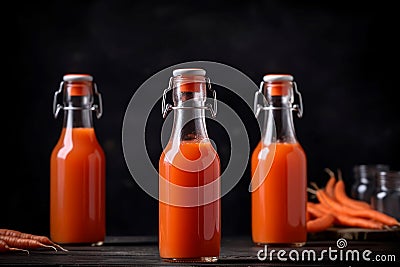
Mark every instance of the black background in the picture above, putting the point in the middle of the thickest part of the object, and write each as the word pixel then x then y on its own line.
pixel 342 57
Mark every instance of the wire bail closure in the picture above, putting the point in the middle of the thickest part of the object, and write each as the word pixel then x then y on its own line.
pixel 258 107
pixel 57 107
pixel 166 108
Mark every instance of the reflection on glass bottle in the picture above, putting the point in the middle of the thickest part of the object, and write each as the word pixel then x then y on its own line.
pixel 77 166
pixel 189 171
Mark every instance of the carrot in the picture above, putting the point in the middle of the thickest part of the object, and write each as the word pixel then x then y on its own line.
pixel 338 208
pixel 308 216
pixel 345 210
pixel 330 185
pixel 5 248
pixel 320 223
pixel 313 210
pixel 321 208
pixel 23 243
pixel 42 239
pixel 328 202
pixel 376 216
pixel 344 199
pixel 347 220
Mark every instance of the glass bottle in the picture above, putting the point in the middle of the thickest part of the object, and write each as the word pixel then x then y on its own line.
pixel 189 171
pixel 77 166
pixel 386 197
pixel 278 167
pixel 365 180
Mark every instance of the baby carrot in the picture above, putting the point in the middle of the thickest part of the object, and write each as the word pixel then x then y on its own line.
pixel 5 248
pixel 344 199
pixel 320 223
pixel 23 243
pixel 42 239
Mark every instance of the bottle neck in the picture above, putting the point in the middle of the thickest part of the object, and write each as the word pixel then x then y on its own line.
pixel 367 174
pixel 389 180
pixel 78 118
pixel 189 125
pixel 189 95
pixel 278 124
pixel 78 102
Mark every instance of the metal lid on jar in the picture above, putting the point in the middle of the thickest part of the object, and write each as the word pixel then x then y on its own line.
pixel 189 72
pixel 278 78
pixel 77 78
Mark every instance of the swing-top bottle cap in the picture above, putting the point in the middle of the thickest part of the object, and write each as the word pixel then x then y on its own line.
pixel 189 72
pixel 277 84
pixel 278 78
pixel 77 84
pixel 77 78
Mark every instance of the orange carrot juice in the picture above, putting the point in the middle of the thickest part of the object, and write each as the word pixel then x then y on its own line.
pixel 278 206
pixel 77 198
pixel 192 231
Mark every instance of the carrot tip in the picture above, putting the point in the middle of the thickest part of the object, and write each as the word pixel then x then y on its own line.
pixel 391 228
pixel 314 185
pixel 312 191
pixel 60 247
pixel 47 246
pixel 20 249
pixel 330 172
pixel 339 174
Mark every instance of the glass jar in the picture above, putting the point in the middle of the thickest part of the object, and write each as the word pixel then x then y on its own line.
pixel 365 180
pixel 386 198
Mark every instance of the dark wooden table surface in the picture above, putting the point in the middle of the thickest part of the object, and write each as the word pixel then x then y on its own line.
pixel 235 251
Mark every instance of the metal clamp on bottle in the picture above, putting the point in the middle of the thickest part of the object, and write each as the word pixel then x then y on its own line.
pixel 265 106
pixel 165 108
pixel 71 78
